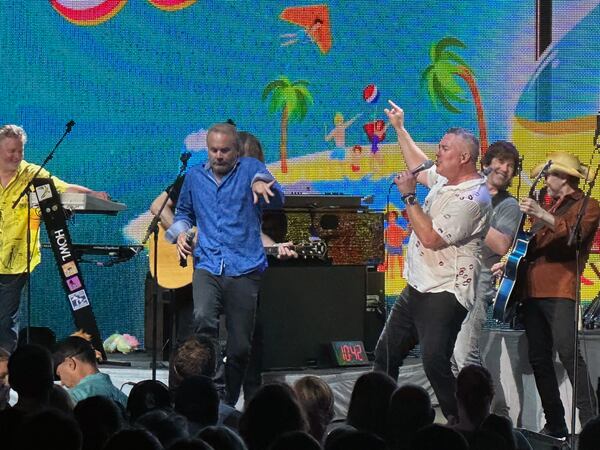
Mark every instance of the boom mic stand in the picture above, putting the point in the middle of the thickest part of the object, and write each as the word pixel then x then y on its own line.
pixel 575 239
pixel 153 230
pixel 27 191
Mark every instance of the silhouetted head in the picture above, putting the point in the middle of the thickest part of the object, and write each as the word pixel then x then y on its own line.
pixel 129 439
pixel 410 410
pixel 30 371
pixel 435 436
pixel 50 429
pixel 99 418
pixel 474 392
pixel 197 400
pixel 146 396
pixel 369 402
pixel 221 438
pixel 272 411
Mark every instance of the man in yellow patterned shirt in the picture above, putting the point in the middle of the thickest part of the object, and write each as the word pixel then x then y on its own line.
pixel 15 173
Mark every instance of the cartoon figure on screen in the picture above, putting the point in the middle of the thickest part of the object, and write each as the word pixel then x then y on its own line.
pixel 394 236
pixel 355 158
pixel 316 27
pixel 375 131
pixel 306 36
pixel 338 135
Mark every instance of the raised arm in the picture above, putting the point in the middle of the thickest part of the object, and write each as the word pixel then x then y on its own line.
pixel 166 216
pixel 413 155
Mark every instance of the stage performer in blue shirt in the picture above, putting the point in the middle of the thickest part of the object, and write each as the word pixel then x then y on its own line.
pixel 224 199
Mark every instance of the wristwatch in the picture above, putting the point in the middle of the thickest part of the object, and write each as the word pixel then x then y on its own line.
pixel 410 199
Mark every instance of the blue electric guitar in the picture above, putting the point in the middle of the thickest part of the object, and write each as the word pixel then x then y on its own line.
pixel 509 291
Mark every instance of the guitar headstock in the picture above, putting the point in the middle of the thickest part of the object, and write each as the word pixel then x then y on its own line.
pixel 539 176
pixel 313 249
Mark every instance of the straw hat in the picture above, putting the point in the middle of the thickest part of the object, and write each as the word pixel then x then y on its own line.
pixel 565 163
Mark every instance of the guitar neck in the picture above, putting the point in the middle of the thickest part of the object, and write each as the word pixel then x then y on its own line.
pixel 312 249
pixel 273 250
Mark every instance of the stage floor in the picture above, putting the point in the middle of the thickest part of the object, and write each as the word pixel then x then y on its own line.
pixel 341 380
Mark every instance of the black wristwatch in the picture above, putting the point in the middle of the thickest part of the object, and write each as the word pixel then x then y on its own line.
pixel 410 199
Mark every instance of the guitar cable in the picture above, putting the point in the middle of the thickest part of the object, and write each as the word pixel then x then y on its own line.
pixel 386 266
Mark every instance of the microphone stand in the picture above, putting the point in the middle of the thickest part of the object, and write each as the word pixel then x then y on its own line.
pixel 575 239
pixel 153 230
pixel 27 191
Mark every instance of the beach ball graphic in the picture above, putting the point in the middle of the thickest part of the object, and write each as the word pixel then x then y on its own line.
pixel 371 93
pixel 88 12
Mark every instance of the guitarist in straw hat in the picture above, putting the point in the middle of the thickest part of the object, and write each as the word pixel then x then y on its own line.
pixel 548 311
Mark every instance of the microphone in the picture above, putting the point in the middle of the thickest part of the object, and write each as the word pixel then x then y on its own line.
pixel 189 238
pixel 485 172
pixel 185 157
pixel 70 124
pixel 428 164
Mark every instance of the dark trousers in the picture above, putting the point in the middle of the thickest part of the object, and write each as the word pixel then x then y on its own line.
pixel 236 297
pixel 10 296
pixel 549 326
pixel 432 320
pixel 182 309
pixel 253 378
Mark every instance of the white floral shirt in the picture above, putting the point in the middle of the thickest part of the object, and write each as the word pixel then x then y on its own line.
pixel 460 215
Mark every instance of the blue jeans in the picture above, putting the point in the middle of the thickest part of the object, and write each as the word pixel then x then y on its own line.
pixel 466 349
pixel 236 297
pixel 10 296
pixel 433 321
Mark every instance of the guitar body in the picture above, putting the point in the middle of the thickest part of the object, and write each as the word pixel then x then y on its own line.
pixel 170 274
pixel 510 289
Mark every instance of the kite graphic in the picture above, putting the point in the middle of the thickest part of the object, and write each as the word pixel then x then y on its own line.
pixel 315 21
pixel 172 5
pixel 88 12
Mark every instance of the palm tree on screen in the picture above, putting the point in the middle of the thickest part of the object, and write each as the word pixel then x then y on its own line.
pixel 443 87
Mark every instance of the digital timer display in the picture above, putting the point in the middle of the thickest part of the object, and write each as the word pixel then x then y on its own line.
pixel 349 353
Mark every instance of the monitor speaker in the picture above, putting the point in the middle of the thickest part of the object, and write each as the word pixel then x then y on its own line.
pixel 303 309
pixel 375 309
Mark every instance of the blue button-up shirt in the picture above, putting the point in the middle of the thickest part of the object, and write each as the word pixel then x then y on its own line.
pixel 227 220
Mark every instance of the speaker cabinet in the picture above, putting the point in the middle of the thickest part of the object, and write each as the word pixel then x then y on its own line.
pixel 303 309
pixel 375 309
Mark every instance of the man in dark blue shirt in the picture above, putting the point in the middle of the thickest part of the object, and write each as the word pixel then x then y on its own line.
pixel 224 199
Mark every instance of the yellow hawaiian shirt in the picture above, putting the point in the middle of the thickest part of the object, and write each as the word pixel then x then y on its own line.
pixel 13 222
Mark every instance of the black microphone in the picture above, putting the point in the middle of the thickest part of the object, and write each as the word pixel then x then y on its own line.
pixel 185 157
pixel 189 238
pixel 70 124
pixel 428 164
pixel 485 172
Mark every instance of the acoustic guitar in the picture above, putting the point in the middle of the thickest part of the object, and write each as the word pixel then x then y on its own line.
pixel 172 276
pixel 510 289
